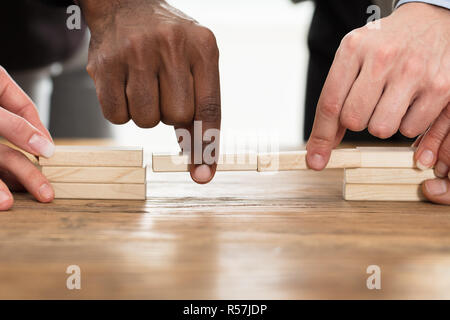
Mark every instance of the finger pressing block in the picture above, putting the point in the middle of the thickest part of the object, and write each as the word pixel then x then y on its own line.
pixel 286 161
pixel 227 162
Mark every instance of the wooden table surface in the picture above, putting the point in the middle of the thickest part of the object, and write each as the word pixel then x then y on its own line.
pixel 245 236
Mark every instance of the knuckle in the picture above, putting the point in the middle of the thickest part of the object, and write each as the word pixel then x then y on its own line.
pixel 320 142
pixel 351 41
pixel 414 68
pixel 330 109
pixel 440 85
pixel 90 69
pixel 112 110
pixel 146 121
pixel 132 41
pixel 179 118
pixel 116 118
pixel 18 126
pixel 34 175
pixel 353 121
pixel 409 131
pixel 171 35
pixel 209 110
pixel 385 54
pixel 436 135
pixel 3 72
pixel 381 131
pixel 10 155
pixel 207 43
pixel 133 48
pixel 382 58
pixel 105 60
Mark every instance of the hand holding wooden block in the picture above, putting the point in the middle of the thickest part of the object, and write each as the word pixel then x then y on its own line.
pixel 288 161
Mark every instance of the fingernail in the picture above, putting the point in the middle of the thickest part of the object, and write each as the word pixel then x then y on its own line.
pixel 436 187
pixel 425 160
pixel 41 145
pixel 46 192
pixel 441 169
pixel 4 196
pixel 202 173
pixel 317 161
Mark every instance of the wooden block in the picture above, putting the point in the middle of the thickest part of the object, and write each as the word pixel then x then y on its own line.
pixel 238 162
pixel 99 191
pixel 287 161
pixel 388 175
pixel 387 157
pixel 95 174
pixel 170 163
pixel 383 192
pixel 227 162
pixel 69 156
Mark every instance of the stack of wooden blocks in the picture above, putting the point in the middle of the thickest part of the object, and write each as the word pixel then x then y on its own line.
pixel 386 174
pixel 96 173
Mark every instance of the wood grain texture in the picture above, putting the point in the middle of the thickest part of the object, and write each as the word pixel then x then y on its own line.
pixel 388 175
pixel 99 191
pixel 296 160
pixel 383 192
pixel 95 156
pixel 95 174
pixel 285 235
pixel 227 162
pixel 387 157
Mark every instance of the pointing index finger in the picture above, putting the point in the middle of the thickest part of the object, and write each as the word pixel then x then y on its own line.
pixel 327 128
pixel 208 115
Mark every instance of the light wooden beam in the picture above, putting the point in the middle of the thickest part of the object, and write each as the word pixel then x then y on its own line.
pixel 99 191
pixel 341 159
pixel 95 174
pixel 383 192
pixel 95 157
pixel 388 175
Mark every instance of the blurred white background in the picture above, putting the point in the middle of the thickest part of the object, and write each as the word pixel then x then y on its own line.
pixel 263 72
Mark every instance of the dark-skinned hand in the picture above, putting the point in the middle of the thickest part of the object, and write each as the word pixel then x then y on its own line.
pixel 151 63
